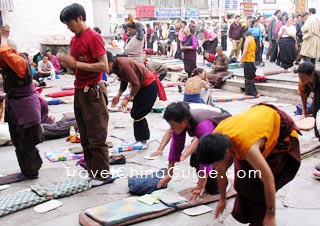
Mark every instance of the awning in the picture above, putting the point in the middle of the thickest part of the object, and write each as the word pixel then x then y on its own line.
pixel 8 5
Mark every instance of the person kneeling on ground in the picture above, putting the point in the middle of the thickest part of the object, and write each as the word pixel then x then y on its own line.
pixel 309 81
pixel 158 67
pixel 197 122
pixel 219 69
pixel 270 148
pixel 194 85
pixel 45 67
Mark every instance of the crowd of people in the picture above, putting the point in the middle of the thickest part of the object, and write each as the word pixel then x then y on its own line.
pixel 219 139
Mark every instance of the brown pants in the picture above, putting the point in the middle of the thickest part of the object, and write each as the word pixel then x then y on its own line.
pixel 92 117
pixel 25 141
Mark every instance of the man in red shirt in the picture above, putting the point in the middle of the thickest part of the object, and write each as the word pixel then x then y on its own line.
pixel 88 61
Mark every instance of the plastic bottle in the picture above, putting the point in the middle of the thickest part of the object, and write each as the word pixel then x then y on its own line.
pixel 52 74
pixel 73 134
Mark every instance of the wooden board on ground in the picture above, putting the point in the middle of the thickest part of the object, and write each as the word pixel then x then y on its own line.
pixel 84 220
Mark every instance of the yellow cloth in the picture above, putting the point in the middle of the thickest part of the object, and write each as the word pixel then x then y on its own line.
pixel 246 128
pixel 250 56
pixel 149 199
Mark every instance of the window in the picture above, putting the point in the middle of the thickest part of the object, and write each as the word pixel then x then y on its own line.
pixel 196 4
pixel 130 3
pixel 142 2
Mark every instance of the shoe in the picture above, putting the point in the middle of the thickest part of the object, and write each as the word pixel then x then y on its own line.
pixel 22 176
pixel 261 64
pixel 110 144
pixel 143 144
pixel 179 89
pixel 316 171
pixel 128 143
pixel 117 160
pixel 82 163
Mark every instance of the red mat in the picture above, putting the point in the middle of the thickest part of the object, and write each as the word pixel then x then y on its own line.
pixel 62 93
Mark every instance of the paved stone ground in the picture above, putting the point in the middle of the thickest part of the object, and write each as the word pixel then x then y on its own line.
pixel 297 204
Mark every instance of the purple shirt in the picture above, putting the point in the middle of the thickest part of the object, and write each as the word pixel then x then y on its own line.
pixel 178 140
pixel 194 41
pixel 278 26
pixel 55 63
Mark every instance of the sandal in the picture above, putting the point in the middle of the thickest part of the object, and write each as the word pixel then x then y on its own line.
pixel 316 171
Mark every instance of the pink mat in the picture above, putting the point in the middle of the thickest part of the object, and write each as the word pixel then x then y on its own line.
pixel 62 93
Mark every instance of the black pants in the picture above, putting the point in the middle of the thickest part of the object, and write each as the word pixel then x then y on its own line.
pixel 224 42
pixel 249 74
pixel 142 105
pixel 162 76
pixel 149 42
pixel 274 51
pixel 189 66
pixel 210 45
pixel 258 56
pixel 287 52
pixel 25 141
pixel 211 185
pixel 92 117
pixel 312 60
pixel 179 51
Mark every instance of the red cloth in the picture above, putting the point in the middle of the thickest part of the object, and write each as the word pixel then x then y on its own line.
pixel 150 78
pixel 87 48
pixel 62 93
pixel 212 57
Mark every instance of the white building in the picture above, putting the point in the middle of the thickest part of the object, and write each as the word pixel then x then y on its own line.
pixel 36 21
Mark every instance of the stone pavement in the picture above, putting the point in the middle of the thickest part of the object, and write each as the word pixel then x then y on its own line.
pixel 297 204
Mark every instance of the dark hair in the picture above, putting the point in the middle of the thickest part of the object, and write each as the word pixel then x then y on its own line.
pixel 248 33
pixel 254 21
pixel 169 42
pixel 132 25
pixel 177 112
pixel 237 17
pixel 259 17
pixel 72 12
pixel 212 148
pixel 312 10
pixel 110 56
pixel 306 68
pixel 48 50
pixel 285 14
pixel 249 17
pixel 184 22
pixel 219 48
pixel 197 71
pixel 305 14
pixel 206 51
pixel 97 30
pixel 277 11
